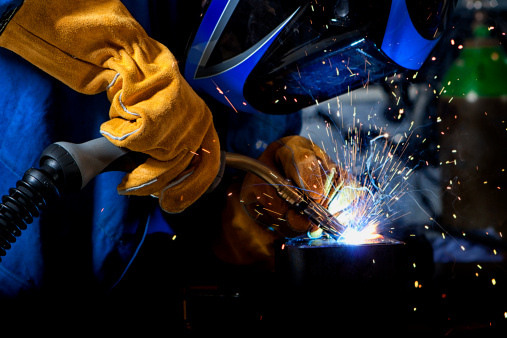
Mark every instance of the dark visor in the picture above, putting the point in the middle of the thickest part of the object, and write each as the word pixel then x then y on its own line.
pixel 321 54
pixel 327 48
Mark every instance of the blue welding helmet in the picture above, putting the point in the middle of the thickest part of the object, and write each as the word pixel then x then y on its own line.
pixel 280 56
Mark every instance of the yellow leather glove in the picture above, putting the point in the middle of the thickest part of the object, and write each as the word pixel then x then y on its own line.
pixel 96 45
pixel 255 215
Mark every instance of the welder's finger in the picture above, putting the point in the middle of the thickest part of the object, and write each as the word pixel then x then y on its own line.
pixel 151 176
pixel 175 192
pixel 298 222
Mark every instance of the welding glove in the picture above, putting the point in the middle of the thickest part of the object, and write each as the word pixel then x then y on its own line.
pixel 256 216
pixel 96 45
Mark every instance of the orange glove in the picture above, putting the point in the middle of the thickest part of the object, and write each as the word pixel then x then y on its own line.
pixel 255 215
pixel 96 45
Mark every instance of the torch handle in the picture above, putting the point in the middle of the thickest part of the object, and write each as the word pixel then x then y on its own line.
pixel 76 164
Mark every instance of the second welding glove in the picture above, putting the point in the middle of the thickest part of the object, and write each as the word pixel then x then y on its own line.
pixel 255 215
pixel 96 45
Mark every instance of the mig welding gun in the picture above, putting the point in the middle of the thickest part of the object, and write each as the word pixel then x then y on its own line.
pixel 68 167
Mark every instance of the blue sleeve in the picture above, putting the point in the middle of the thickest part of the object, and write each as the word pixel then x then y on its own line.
pixel 7 10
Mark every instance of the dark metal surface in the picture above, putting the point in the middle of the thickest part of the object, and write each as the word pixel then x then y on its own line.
pixel 345 284
pixel 312 262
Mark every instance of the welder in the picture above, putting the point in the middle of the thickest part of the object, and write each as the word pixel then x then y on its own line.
pixel 98 47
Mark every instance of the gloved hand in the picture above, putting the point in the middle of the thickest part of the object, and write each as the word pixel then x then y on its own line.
pixel 96 45
pixel 255 215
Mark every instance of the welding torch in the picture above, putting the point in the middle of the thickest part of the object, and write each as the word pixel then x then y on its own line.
pixel 69 167
pixel 315 212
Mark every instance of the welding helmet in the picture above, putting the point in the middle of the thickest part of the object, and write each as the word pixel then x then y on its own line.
pixel 280 56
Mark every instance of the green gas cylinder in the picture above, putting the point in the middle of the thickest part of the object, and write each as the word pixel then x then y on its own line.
pixel 473 136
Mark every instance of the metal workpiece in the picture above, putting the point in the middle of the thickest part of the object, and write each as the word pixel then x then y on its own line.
pixel 353 284
pixel 316 213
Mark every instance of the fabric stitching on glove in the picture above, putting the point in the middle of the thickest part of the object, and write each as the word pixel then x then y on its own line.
pixel 178 181
pixel 46 42
pixel 139 186
pixel 125 108
pixel 113 81
pixel 119 138
pixel 172 184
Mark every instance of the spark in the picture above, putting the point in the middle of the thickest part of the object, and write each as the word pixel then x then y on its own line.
pixel 272 211
pixel 230 103
pixel 225 96
pixel 366 204
pixel 376 175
